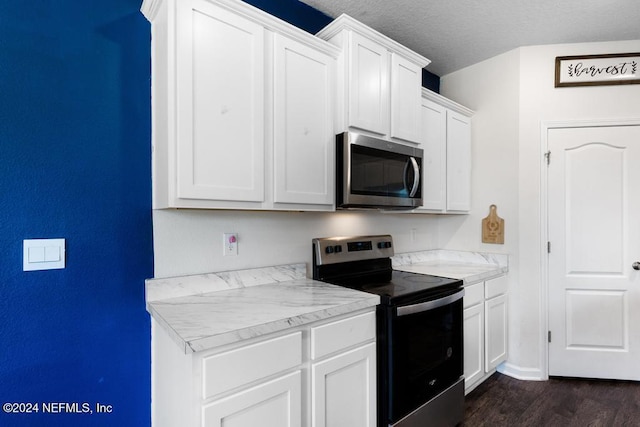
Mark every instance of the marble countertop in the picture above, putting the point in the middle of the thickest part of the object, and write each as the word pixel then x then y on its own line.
pixel 246 309
pixel 470 267
pixel 202 312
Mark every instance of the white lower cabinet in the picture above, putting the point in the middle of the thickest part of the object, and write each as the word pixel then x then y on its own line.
pixel 496 331
pixel 322 374
pixel 473 336
pixel 276 403
pixel 485 329
pixel 344 389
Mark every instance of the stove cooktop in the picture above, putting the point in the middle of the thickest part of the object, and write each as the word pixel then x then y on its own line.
pixel 403 287
pixel 364 263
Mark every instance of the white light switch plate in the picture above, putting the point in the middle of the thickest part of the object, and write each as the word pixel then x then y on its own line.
pixel 43 254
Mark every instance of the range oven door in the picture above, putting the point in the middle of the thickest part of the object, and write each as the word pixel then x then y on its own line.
pixel 423 352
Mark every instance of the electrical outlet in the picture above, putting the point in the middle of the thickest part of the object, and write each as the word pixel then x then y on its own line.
pixel 230 242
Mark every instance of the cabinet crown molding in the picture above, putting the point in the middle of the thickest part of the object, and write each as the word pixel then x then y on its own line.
pixel 345 22
pixel 446 102
pixel 150 9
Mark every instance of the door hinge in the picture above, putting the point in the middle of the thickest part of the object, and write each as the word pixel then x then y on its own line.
pixel 549 336
pixel 548 247
pixel 547 156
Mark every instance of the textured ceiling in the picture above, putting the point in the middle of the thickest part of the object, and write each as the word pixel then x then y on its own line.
pixel 456 33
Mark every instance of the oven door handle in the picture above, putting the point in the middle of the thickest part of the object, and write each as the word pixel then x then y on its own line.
pixel 429 305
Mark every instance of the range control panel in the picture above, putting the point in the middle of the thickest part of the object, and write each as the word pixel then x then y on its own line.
pixel 333 250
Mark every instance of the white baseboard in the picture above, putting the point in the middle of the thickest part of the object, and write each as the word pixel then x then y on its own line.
pixel 520 373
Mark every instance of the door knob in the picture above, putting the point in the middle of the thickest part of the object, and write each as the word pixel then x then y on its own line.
pixel 636 265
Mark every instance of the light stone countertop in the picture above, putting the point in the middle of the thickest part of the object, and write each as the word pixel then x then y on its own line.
pixel 202 312
pixel 470 267
pixel 246 308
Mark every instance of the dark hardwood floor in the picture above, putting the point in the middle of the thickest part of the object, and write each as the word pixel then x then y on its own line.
pixel 505 401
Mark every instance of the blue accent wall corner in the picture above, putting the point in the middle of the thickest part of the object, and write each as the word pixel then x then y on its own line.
pixel 76 153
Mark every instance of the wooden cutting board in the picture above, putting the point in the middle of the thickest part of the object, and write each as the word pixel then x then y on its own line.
pixel 493 227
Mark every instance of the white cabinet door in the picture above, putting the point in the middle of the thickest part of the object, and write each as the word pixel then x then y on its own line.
pixel 446 142
pixel 344 389
pixel 303 130
pixel 277 403
pixel 458 162
pixel 473 343
pixel 368 85
pixel 434 161
pixel 495 331
pixel 406 83
pixel 220 104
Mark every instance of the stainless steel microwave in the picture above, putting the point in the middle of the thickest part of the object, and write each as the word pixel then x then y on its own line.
pixel 375 174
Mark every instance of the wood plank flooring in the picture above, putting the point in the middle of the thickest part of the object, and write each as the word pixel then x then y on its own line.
pixel 505 401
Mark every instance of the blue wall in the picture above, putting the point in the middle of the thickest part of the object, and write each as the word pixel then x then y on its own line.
pixel 75 161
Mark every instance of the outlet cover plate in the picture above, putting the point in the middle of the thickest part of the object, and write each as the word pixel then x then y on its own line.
pixel 230 244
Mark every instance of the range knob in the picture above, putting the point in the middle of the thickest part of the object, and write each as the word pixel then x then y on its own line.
pixel 329 249
pixel 384 245
pixel 337 248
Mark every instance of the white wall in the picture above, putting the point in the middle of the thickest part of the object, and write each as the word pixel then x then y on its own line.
pixel 491 88
pixel 539 102
pixel 190 241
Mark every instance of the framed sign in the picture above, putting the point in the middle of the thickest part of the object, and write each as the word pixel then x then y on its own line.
pixel 592 70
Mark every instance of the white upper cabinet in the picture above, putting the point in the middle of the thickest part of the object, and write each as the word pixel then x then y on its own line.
pixel 379 81
pixel 303 124
pixel 434 162
pixel 243 109
pixel 458 162
pixel 406 84
pixel 220 104
pixel 446 141
pixel 369 85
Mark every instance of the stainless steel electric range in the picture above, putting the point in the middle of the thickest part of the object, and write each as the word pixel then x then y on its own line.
pixel 419 330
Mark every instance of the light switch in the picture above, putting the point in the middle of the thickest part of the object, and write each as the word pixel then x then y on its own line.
pixel 36 254
pixel 43 254
pixel 51 253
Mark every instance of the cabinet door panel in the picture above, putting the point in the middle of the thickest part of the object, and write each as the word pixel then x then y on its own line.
pixel 344 389
pixel 369 86
pixel 458 162
pixel 406 84
pixel 220 104
pixel 434 144
pixel 495 331
pixel 303 114
pixel 277 403
pixel 473 344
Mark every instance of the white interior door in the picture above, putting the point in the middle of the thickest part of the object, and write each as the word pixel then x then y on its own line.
pixel 594 235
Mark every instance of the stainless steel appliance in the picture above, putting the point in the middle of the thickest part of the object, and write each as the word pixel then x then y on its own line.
pixel 419 330
pixel 373 173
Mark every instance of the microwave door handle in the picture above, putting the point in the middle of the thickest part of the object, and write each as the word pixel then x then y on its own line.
pixel 416 176
pixel 429 305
